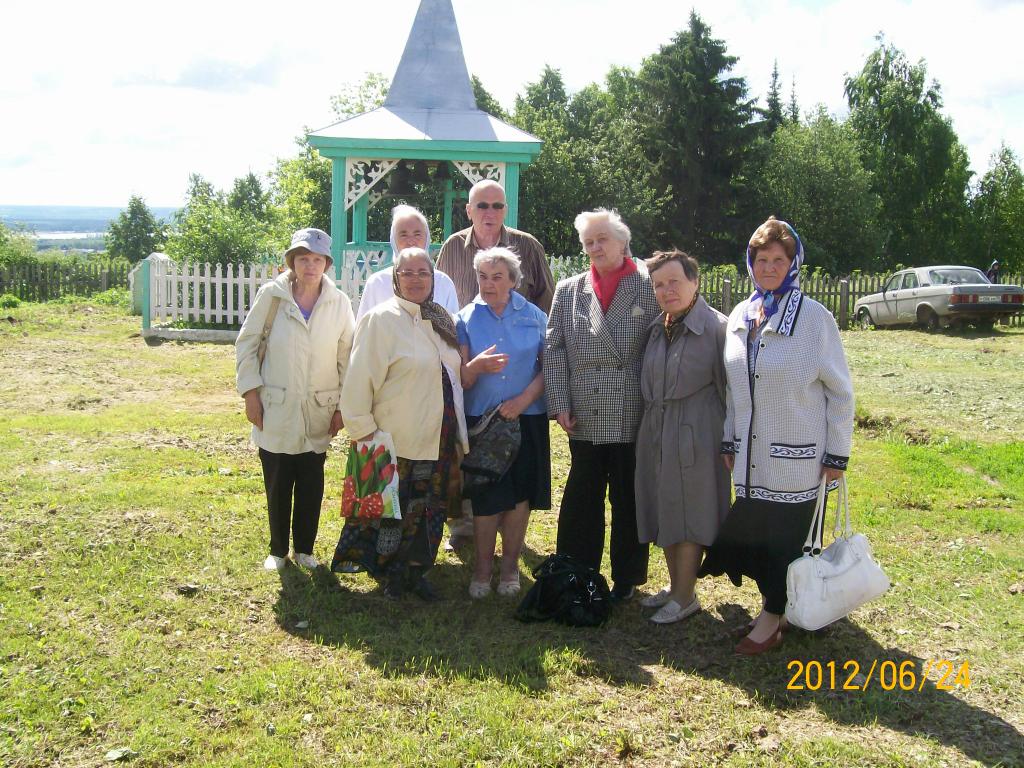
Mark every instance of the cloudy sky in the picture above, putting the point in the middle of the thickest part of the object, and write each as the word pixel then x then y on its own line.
pixel 102 100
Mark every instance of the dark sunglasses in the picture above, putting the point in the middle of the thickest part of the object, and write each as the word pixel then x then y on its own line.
pixel 496 206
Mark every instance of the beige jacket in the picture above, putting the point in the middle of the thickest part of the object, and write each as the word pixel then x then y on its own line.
pixel 303 372
pixel 394 380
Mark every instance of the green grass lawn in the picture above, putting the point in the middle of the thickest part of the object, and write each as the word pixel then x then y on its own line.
pixel 134 614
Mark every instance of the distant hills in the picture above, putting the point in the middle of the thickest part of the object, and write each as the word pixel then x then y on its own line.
pixel 65 218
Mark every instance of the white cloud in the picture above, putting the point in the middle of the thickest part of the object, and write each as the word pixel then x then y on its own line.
pixel 103 100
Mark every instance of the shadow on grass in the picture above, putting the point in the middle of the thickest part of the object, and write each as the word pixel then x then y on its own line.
pixel 461 638
pixel 455 637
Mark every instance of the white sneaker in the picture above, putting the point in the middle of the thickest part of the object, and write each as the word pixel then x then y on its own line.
pixel 306 561
pixel 656 600
pixel 274 563
pixel 673 611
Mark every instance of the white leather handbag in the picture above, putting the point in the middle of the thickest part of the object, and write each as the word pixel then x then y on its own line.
pixel 824 586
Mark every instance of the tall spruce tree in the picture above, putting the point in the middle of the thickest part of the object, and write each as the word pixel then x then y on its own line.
pixel 773 115
pixel 696 132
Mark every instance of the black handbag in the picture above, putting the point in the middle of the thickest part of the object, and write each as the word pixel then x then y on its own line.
pixel 566 591
pixel 493 446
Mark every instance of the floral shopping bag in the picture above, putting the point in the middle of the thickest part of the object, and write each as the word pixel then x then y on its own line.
pixel 371 479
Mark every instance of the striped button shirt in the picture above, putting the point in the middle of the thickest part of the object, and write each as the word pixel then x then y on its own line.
pixel 456 261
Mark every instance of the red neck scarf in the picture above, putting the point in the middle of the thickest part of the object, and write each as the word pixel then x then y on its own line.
pixel 606 285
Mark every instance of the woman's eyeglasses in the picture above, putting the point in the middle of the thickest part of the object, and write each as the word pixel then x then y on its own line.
pixel 421 274
pixel 483 206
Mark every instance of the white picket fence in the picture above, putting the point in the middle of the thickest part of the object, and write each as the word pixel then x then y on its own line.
pixel 212 294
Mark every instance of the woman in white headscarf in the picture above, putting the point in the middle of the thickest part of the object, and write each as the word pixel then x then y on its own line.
pixel 788 422
pixel 409 229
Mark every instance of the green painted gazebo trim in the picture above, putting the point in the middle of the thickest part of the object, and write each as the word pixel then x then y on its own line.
pixel 426 149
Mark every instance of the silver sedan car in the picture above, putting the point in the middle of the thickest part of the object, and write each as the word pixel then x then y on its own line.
pixel 938 297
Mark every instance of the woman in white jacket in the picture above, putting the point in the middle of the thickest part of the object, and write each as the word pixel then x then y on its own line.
pixel 404 380
pixel 788 422
pixel 293 398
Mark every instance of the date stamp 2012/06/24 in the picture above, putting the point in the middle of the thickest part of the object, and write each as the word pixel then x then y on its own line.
pixel 888 674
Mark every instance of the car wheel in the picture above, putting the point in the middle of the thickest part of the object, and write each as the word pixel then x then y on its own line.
pixel 864 318
pixel 927 319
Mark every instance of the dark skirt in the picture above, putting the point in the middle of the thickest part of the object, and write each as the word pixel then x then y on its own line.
pixel 529 477
pixel 759 539
pixel 385 548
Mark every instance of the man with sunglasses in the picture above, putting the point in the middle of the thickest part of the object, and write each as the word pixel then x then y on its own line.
pixel 486 210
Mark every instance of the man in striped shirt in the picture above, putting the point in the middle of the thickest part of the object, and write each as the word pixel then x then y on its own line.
pixel 486 209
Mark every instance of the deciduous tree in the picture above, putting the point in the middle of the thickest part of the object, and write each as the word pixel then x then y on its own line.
pixel 919 168
pixel 998 212
pixel 812 176
pixel 135 233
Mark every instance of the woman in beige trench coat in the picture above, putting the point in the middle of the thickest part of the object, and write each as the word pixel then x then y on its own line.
pixel 682 486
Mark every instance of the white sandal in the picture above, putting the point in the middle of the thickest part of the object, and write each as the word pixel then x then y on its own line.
pixel 658 599
pixel 479 589
pixel 509 588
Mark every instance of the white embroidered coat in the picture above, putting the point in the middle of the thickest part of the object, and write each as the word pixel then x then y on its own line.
pixel 796 412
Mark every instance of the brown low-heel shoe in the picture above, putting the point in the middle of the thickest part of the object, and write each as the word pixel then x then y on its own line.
pixel 747 647
pixel 746 629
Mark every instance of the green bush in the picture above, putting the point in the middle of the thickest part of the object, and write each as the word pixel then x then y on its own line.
pixel 16 247
pixel 9 301
pixel 113 297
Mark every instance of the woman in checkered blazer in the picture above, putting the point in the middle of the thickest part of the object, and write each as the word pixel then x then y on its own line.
pixel 592 356
pixel 789 421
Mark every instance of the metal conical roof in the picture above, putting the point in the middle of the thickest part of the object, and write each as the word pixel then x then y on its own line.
pixel 431 96
pixel 432 73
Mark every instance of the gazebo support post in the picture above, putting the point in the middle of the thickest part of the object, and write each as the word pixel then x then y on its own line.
pixel 360 212
pixel 512 194
pixel 449 202
pixel 339 216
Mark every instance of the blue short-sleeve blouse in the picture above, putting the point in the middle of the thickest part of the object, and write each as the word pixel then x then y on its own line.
pixel 519 333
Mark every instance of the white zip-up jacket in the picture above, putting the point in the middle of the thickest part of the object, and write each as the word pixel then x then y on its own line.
pixel 304 370
pixel 795 413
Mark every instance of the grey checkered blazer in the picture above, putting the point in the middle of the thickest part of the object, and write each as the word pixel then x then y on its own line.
pixel 592 359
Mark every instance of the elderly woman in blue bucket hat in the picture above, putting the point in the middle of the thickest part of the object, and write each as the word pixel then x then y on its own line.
pixel 291 357
pixel 789 421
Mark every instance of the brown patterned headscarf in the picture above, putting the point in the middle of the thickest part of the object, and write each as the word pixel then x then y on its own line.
pixel 672 323
pixel 438 316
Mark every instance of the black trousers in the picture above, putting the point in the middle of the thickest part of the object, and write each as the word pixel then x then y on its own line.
pixel 595 469
pixel 300 475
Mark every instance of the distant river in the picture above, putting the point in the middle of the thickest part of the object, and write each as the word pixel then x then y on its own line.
pixel 68 235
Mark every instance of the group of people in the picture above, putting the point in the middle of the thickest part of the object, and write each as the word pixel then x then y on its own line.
pixel 662 398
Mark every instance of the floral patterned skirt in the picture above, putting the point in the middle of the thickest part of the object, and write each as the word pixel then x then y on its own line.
pixel 386 548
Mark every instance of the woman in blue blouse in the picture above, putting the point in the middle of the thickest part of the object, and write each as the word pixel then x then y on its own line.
pixel 501 337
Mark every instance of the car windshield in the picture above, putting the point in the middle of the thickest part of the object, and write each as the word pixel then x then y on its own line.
pixel 956 276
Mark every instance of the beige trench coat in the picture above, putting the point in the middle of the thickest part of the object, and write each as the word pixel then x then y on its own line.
pixel 682 486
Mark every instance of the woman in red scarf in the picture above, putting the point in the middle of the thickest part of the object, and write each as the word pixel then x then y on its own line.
pixel 592 383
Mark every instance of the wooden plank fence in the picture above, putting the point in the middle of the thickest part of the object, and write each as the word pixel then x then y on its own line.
pixel 215 295
pixel 44 281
